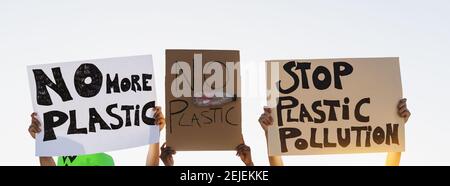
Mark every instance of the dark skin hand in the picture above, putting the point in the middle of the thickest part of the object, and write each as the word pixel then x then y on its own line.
pixel 403 110
pixel 33 130
pixel 393 158
pixel 244 152
pixel 35 125
pixel 167 155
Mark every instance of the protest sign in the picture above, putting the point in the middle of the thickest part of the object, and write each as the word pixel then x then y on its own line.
pixel 203 106
pixel 330 106
pixel 93 106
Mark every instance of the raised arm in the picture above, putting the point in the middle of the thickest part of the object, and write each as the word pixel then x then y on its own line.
pixel 266 120
pixel 245 153
pixel 33 130
pixel 153 149
pixel 393 158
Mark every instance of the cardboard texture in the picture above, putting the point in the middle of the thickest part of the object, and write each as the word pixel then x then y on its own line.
pixel 370 94
pixel 195 127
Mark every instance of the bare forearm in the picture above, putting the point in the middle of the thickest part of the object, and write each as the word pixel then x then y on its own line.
pixel 393 158
pixel 153 155
pixel 47 161
pixel 274 160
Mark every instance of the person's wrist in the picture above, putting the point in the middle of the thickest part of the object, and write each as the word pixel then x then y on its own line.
pixel 249 164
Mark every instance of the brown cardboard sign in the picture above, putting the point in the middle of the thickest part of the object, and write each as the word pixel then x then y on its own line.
pixel 203 106
pixel 335 106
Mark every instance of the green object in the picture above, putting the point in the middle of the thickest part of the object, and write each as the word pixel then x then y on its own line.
pixel 99 159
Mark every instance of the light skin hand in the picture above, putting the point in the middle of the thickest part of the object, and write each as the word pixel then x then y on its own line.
pixel 159 118
pixel 266 120
pixel 153 149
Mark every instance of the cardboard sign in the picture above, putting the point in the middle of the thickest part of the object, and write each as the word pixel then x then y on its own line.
pixel 203 107
pixel 94 106
pixel 330 106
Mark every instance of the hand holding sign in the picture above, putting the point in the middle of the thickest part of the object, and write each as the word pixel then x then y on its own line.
pixel 159 117
pixel 266 120
pixel 403 110
pixel 244 152
pixel 167 155
pixel 35 126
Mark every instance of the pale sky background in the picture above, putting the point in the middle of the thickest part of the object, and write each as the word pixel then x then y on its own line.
pixel 417 31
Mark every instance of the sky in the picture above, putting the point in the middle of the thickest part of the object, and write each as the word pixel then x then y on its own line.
pixel 417 31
